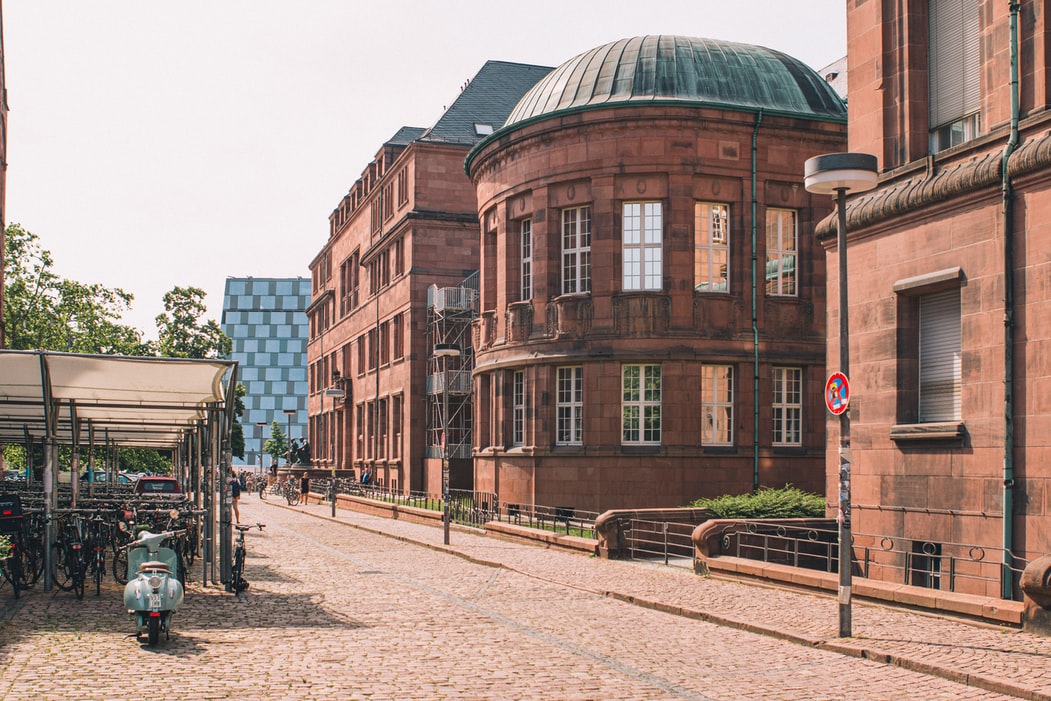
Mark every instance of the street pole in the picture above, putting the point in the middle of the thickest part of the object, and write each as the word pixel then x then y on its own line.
pixel 445 351
pixel 839 173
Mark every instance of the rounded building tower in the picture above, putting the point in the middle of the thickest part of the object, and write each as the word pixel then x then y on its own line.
pixel 652 316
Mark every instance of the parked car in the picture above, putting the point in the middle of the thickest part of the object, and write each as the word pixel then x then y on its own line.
pixel 157 485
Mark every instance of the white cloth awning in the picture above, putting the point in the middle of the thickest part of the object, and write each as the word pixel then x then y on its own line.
pixel 147 402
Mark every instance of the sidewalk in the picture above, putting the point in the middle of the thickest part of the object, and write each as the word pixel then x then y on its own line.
pixel 992 658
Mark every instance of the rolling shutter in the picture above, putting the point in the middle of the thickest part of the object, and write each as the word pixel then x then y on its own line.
pixel 940 370
pixel 953 54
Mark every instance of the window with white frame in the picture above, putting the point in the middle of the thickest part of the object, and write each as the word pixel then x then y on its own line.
pixel 518 408
pixel 939 351
pixel 526 238
pixel 569 406
pixel 717 404
pixel 643 225
pixel 788 406
pixel 781 242
pixel 576 250
pixel 641 405
pixel 711 261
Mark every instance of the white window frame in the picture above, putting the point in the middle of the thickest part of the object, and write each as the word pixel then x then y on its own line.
pixel 717 404
pixel 711 247
pixel 782 253
pixel 576 250
pixel 640 404
pixel 569 406
pixel 643 233
pixel 954 72
pixel 518 408
pixel 526 248
pixel 787 403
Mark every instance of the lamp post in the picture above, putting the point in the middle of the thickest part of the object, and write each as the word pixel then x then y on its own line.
pixel 261 424
pixel 445 351
pixel 336 393
pixel 289 413
pixel 838 174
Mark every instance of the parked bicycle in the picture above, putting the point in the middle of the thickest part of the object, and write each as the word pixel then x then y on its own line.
pixel 291 491
pixel 238 583
pixel 68 564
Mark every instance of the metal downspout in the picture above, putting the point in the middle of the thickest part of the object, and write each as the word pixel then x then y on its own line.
pixel 755 314
pixel 1007 577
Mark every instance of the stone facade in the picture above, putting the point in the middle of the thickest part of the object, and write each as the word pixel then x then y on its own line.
pixel 930 491
pixel 676 156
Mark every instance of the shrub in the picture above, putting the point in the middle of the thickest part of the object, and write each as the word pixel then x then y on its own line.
pixel 788 502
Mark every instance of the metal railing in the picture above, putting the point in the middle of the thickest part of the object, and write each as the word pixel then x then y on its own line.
pixel 660 540
pixel 931 564
pixel 557 519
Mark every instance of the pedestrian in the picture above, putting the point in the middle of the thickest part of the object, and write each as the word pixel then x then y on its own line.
pixel 235 495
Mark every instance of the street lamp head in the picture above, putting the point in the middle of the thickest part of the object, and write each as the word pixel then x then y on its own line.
pixel 260 424
pixel 834 172
pixel 446 350
pixel 289 412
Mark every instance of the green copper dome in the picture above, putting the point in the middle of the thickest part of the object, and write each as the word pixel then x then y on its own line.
pixel 685 70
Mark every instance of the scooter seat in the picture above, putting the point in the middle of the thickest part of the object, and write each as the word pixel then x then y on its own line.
pixel 154 566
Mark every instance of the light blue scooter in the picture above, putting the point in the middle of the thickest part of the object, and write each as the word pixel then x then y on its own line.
pixel 153 592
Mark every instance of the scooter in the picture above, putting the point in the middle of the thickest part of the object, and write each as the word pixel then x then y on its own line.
pixel 153 593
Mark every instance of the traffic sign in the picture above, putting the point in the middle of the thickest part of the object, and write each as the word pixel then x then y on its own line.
pixel 837 393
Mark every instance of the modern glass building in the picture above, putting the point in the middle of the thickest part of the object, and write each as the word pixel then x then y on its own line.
pixel 266 319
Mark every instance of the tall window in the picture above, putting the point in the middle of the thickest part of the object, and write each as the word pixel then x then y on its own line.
pixel 384 343
pixel 939 351
pixel 641 404
pixel 711 260
pixel 395 418
pixel 576 250
pixel 717 404
pixel 954 65
pixel 569 420
pixel 643 227
pixel 527 259
pixel 518 408
pixel 781 252
pixel 788 406
pixel 397 335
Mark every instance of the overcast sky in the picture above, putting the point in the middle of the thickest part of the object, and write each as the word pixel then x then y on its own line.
pixel 155 143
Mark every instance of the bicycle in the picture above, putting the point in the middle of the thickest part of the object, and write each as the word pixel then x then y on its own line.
pixel 238 583
pixel 68 566
pixel 262 490
pixel 292 493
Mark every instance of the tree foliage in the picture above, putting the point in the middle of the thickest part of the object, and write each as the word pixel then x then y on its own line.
pixel 182 334
pixel 43 311
pixel 277 444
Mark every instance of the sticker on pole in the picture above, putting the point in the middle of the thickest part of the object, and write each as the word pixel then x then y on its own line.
pixel 837 393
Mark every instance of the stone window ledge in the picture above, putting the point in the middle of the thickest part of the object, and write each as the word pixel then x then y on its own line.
pixel 941 431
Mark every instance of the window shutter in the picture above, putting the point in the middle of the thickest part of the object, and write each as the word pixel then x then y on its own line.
pixel 953 55
pixel 940 357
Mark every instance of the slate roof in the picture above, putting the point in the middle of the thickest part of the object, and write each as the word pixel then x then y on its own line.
pixel 487 99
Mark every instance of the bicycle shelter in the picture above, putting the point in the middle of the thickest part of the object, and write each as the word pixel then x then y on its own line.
pixel 177 404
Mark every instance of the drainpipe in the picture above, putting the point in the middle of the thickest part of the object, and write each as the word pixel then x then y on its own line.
pixel 1006 577
pixel 755 314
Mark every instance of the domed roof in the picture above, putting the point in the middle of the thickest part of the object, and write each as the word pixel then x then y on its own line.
pixel 687 70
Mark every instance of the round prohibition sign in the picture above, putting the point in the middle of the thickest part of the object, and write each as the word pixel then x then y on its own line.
pixel 837 393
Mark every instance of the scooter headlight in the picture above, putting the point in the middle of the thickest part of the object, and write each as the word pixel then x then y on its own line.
pixel 154 581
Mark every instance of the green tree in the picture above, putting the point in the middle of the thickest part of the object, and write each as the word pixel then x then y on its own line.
pixel 237 436
pixel 143 460
pixel 181 333
pixel 44 311
pixel 277 444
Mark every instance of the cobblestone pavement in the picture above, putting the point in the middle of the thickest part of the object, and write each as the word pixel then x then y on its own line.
pixel 383 611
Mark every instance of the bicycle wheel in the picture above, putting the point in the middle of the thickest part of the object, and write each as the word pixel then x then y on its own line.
pixel 292 497
pixel 78 576
pixel 61 571
pixel 237 575
pixel 99 566
pixel 120 563
pixel 14 572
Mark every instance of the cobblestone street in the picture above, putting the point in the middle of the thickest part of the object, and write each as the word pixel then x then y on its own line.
pixel 343 612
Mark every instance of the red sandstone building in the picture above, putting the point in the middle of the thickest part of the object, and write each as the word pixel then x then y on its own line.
pixel 407 224
pixel 652 298
pixel 950 282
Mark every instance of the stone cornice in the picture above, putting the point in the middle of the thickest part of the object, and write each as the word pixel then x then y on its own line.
pixel 923 190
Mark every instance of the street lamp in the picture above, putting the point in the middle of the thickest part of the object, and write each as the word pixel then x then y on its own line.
pixel 289 413
pixel 336 393
pixel 445 351
pixel 837 174
pixel 261 424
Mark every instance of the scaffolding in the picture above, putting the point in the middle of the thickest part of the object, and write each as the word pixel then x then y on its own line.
pixel 450 311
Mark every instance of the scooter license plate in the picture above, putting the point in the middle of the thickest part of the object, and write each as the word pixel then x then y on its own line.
pixel 154 601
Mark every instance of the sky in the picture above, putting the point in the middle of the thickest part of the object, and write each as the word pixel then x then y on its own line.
pixel 155 143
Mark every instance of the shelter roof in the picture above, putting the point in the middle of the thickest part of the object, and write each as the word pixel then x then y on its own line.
pixel 146 402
